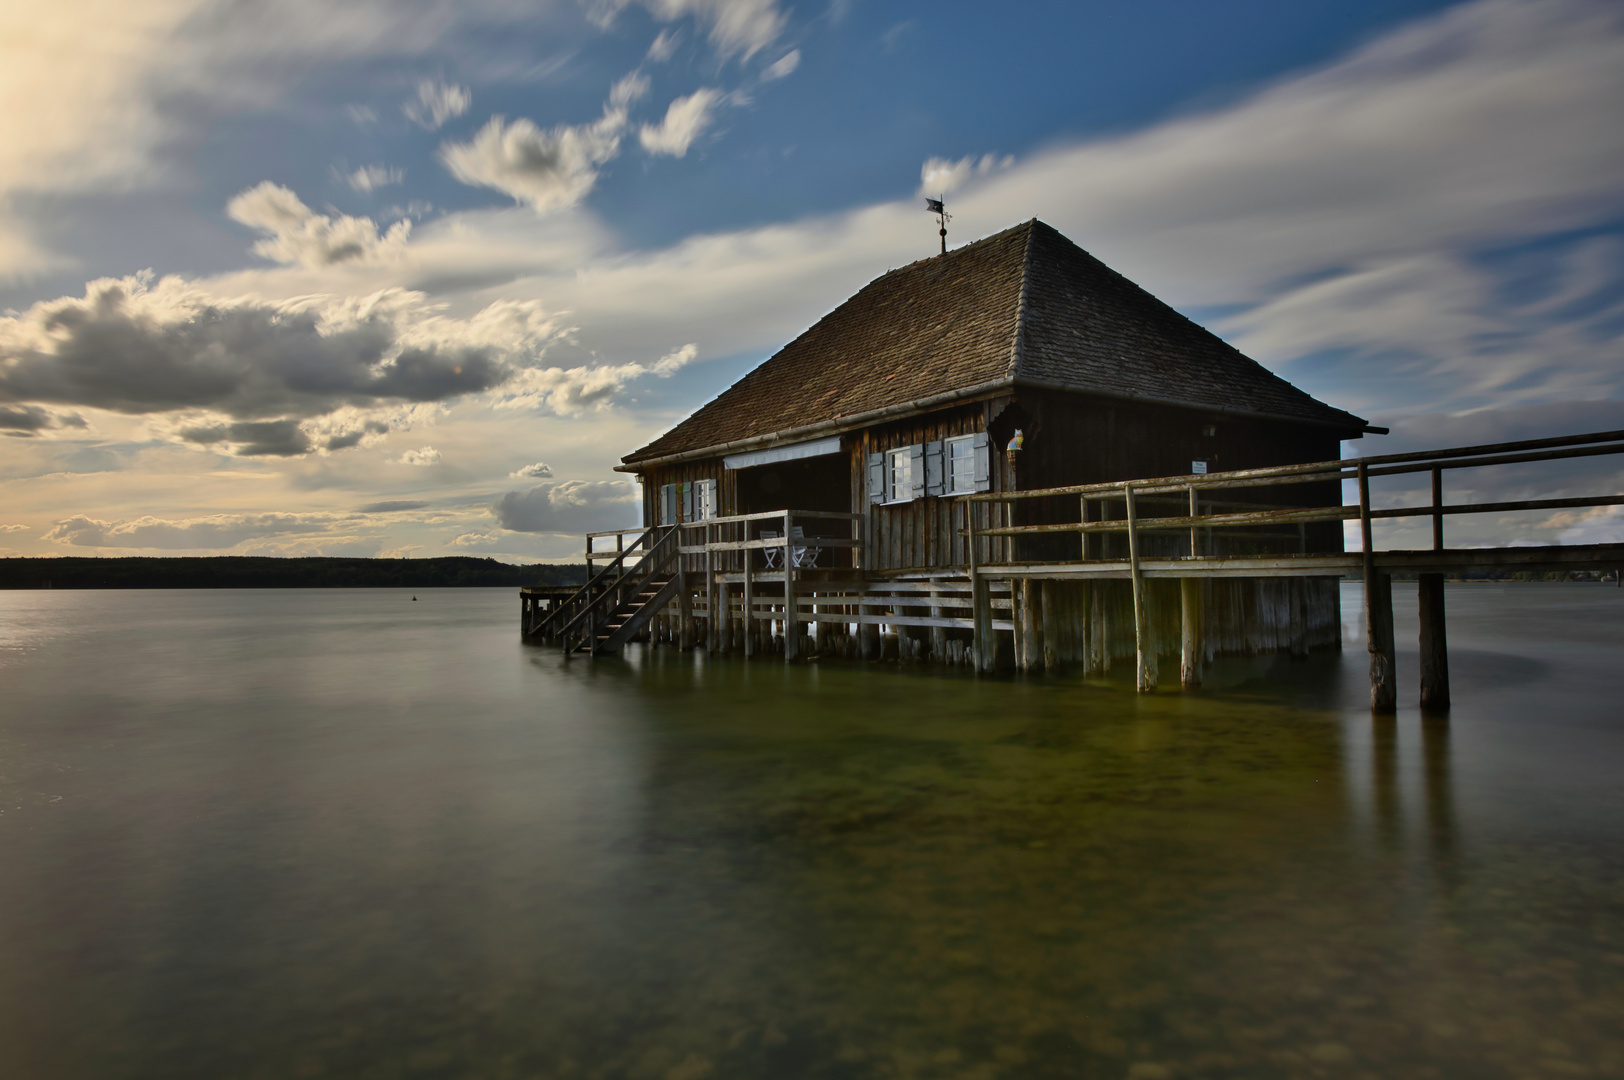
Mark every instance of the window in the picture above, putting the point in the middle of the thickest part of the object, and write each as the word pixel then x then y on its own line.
pixel 940 467
pixel 961 465
pixel 900 478
pixel 695 501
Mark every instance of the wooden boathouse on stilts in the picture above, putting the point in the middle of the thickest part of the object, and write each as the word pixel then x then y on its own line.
pixel 1008 456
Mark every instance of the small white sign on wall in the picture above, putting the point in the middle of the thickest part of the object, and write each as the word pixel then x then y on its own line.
pixel 1199 468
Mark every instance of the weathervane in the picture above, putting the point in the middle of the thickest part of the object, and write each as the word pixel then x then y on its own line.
pixel 936 206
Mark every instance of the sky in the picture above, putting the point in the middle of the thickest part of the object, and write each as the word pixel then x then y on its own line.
pixel 407 279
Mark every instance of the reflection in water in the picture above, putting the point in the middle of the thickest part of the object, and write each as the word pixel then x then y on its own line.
pixel 305 835
pixel 1440 801
pixel 1384 773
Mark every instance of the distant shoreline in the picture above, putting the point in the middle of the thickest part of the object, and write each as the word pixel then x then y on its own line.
pixel 265 572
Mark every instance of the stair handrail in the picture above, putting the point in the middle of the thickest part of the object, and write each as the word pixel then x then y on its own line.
pixel 653 560
pixel 593 581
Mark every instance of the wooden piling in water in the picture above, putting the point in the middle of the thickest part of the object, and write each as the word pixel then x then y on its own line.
pixel 1191 647
pixel 1434 644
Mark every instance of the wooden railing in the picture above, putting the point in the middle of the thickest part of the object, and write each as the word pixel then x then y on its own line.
pixel 1131 493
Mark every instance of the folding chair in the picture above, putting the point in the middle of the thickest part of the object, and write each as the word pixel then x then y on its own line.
pixel 805 555
pixel 772 556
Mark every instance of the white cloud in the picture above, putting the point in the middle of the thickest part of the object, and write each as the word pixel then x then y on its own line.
pixel 435 103
pixel 296 234
pixel 685 120
pixel 423 456
pixel 549 169
pixel 664 45
pixel 783 66
pixel 737 27
pixel 369 178
pixel 571 391
pixel 539 471
pixel 938 176
pixel 472 539
pixel 13 528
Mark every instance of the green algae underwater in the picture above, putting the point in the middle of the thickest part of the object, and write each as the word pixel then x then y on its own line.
pixel 336 833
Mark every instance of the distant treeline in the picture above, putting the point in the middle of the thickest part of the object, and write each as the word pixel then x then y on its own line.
pixel 249 572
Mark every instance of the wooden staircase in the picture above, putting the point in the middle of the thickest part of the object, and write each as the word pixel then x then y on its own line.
pixel 634 615
pixel 620 600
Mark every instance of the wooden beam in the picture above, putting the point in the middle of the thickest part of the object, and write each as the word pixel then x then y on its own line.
pixel 1434 644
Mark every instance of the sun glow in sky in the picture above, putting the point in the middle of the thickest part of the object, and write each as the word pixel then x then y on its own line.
pixel 297 278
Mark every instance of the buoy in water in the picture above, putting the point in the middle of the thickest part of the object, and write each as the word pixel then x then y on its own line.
pixel 414 599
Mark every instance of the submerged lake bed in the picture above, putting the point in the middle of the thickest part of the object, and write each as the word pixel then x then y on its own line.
pixel 339 833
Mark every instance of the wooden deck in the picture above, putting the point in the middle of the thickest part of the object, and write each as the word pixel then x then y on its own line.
pixel 736 589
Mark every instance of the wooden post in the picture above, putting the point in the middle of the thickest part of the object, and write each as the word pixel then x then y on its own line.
pixel 980 600
pixel 1144 635
pixel 1378 612
pixel 1434 644
pixel 1297 594
pixel 712 633
pixel 1051 611
pixel 868 634
pixel 938 634
pixel 1099 630
pixel 1082 534
pixel 1192 650
pixel 685 601
pixel 792 624
pixel 749 598
pixel 1030 654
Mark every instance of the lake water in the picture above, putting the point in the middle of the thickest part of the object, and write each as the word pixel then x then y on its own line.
pixel 341 834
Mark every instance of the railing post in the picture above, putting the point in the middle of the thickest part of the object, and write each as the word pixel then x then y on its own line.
pixel 1082 534
pixel 980 600
pixel 685 598
pixel 1144 636
pixel 749 597
pixel 1194 546
pixel 1437 508
pixel 712 634
pixel 792 627
pixel 1378 611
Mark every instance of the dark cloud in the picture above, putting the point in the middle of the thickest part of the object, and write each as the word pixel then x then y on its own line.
pixel 250 360
pixel 254 438
pixel 218 531
pixel 29 420
pixel 392 507
pixel 570 506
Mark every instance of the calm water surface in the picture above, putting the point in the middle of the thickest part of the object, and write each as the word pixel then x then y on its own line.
pixel 341 834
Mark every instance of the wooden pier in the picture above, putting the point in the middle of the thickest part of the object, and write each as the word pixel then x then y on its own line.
pixel 1216 563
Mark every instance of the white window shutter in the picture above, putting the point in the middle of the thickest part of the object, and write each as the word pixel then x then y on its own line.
pixel 935 469
pixel 983 461
pixel 916 470
pixel 706 503
pixel 668 504
pixel 877 474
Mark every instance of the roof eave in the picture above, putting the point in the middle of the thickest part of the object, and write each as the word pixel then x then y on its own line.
pixel 1354 423
pixel 839 425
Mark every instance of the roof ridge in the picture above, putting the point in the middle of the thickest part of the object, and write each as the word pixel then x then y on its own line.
pixel 1018 339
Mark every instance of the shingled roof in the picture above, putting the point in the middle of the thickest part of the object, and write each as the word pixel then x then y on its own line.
pixel 1024 307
